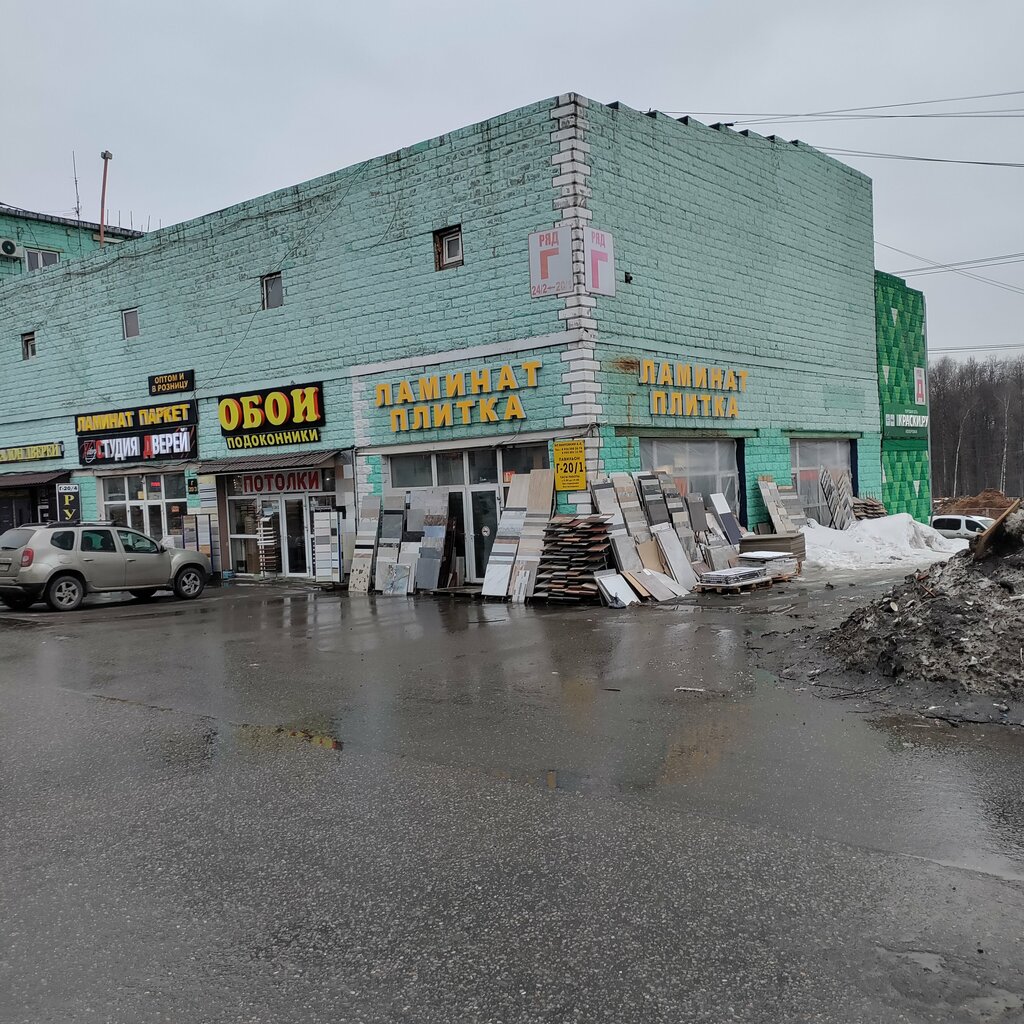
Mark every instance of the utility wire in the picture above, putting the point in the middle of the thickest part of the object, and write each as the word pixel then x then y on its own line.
pixel 990 261
pixel 963 273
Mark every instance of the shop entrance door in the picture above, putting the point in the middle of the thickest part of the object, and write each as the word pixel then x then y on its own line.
pixel 296 538
pixel 483 525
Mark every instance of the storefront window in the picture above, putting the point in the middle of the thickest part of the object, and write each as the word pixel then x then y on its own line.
pixel 522 459
pixel 153 504
pixel 698 467
pixel 411 471
pixel 451 471
pixel 808 456
pixel 483 466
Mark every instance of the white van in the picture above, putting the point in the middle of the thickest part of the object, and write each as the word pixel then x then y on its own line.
pixel 961 526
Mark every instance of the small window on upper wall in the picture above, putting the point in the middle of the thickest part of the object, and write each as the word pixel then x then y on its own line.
pixel 273 291
pixel 448 248
pixel 130 322
pixel 28 345
pixel 39 258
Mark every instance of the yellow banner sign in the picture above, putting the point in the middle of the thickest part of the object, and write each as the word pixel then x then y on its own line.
pixel 708 393
pixel 32 452
pixel 479 395
pixel 570 466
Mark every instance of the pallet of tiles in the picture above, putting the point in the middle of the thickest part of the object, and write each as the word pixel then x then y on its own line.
pixel 575 547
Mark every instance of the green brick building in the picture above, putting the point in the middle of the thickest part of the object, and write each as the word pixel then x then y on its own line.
pixel 34 241
pixel 903 396
pixel 679 296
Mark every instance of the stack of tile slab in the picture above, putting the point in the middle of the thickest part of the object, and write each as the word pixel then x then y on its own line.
pixel 525 569
pixel 776 564
pixel 726 519
pixel 606 502
pixel 673 555
pixel 653 499
pixel 506 539
pixel 575 548
pixel 793 544
pixel 777 510
pixel 616 592
pixel 632 510
pixel 838 492
pixel 679 516
pixel 366 545
pixel 326 546
pixel 794 507
pixel 868 508
pixel 433 505
pixel 737 576
pixel 392 525
pixel 654 585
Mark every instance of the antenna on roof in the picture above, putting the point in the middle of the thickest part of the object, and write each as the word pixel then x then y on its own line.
pixel 78 198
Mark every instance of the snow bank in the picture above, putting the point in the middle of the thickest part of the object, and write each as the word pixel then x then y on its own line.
pixel 878 544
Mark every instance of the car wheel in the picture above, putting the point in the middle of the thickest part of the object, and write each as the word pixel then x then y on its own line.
pixel 17 602
pixel 65 593
pixel 189 582
pixel 145 594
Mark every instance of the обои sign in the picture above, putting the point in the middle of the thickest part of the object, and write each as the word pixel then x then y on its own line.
pixel 144 433
pixel 273 416
pixel 458 399
pixel 32 452
pixel 708 389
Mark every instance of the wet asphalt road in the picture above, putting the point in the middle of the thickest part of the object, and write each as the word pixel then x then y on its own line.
pixel 523 822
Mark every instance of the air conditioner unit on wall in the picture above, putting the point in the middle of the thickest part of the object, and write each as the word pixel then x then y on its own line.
pixel 10 248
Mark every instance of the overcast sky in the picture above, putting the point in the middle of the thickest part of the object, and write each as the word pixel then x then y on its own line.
pixel 207 104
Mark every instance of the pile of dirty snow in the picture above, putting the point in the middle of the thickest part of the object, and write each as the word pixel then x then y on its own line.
pixel 877 544
pixel 960 624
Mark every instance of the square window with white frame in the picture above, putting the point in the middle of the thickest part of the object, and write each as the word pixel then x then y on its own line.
pixel 28 345
pixel 37 259
pixel 130 323
pixel 273 290
pixel 448 248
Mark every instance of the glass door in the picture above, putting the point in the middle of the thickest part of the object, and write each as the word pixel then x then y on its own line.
pixel 483 506
pixel 295 537
pixel 269 537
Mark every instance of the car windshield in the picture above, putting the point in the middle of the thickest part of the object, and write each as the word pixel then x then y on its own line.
pixel 15 539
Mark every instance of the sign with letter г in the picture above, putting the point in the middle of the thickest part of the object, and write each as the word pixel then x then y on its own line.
pixel 570 466
pixel 551 262
pixel 69 503
pixel 599 261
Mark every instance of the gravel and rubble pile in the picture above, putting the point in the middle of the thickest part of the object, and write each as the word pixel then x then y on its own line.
pixel 959 623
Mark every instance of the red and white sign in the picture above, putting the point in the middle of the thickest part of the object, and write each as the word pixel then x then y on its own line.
pixel 919 392
pixel 288 481
pixel 599 258
pixel 551 262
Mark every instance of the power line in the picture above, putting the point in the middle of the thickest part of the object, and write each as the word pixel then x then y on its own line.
pixel 1013 347
pixel 921 159
pixel 854 110
pixel 989 261
pixel 955 270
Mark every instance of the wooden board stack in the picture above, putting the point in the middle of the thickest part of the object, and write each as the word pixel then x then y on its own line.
pixel 868 508
pixel 575 548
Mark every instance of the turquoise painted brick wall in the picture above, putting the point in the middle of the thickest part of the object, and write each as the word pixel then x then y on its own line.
pixel 356 252
pixel 744 254
pixel 68 240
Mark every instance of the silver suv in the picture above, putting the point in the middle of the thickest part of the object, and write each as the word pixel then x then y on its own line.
pixel 61 564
